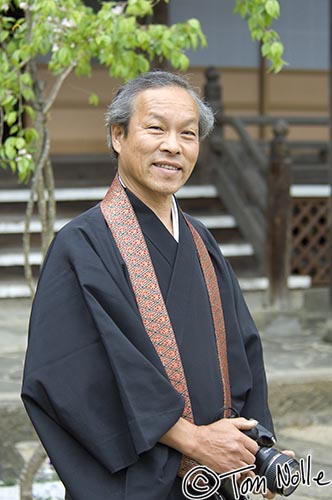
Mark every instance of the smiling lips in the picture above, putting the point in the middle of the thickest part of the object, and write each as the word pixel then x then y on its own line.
pixel 167 166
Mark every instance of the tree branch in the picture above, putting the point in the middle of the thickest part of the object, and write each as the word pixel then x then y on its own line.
pixel 57 86
pixel 29 210
pixel 51 208
pixel 23 63
pixel 42 210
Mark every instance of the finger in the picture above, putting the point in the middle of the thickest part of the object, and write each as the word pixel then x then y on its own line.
pixel 246 474
pixel 243 423
pixel 290 453
pixel 269 495
pixel 251 446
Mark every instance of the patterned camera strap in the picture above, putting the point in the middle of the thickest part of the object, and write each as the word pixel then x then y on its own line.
pixel 122 221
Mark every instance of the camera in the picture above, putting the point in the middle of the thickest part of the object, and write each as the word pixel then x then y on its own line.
pixel 268 459
pixel 267 462
pixel 274 470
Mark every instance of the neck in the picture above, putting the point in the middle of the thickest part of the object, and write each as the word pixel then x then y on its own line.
pixel 159 203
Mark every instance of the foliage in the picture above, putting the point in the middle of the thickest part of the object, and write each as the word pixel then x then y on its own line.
pixel 260 15
pixel 70 36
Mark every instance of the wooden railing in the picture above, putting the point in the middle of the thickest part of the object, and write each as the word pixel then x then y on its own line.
pixel 254 182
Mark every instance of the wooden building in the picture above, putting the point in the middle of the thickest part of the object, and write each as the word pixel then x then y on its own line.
pixel 80 153
pixel 301 89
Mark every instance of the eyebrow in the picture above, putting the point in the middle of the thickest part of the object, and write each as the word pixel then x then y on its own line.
pixel 191 120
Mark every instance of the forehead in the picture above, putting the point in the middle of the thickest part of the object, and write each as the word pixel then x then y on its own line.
pixel 167 102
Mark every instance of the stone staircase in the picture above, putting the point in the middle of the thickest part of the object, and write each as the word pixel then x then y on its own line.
pixel 81 183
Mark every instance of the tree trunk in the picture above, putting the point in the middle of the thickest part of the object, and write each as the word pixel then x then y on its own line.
pixel 29 471
pixel 42 180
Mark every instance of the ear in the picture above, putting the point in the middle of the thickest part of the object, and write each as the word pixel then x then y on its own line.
pixel 118 136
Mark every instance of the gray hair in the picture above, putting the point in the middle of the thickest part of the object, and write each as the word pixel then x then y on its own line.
pixel 122 106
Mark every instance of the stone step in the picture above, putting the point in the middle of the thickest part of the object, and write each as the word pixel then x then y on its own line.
pixel 310 191
pixel 187 192
pixel 17 288
pixel 224 226
pixel 262 283
pixel 13 257
pixel 15 225
pixel 97 193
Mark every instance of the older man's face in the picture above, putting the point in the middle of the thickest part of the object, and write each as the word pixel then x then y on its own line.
pixel 160 150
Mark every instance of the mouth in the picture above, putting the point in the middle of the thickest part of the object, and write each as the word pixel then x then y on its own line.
pixel 167 166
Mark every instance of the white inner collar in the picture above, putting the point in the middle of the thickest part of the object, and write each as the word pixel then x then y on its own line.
pixel 175 219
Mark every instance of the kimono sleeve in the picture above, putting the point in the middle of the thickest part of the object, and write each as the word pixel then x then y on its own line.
pixel 89 384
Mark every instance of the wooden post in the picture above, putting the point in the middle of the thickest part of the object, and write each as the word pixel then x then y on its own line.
pixel 213 93
pixel 213 96
pixel 278 217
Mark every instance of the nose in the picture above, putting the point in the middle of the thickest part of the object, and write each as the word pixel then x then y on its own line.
pixel 171 143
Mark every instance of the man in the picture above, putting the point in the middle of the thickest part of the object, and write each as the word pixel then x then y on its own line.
pixel 133 361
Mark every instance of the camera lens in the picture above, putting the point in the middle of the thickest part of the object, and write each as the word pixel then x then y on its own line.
pixel 271 463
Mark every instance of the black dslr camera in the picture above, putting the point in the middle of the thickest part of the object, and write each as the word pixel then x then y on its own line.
pixel 268 460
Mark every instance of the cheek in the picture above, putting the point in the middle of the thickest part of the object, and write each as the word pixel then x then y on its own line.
pixel 145 150
pixel 192 153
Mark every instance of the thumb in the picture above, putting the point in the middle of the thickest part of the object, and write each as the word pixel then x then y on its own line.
pixel 244 424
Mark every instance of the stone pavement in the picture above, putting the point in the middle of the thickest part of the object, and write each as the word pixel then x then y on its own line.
pixel 299 369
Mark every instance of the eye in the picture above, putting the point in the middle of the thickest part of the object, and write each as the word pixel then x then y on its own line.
pixel 189 133
pixel 156 128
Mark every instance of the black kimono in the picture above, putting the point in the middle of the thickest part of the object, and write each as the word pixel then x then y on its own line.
pixel 94 387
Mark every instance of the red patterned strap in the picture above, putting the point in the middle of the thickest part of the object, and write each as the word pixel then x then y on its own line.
pixel 122 221
pixel 212 286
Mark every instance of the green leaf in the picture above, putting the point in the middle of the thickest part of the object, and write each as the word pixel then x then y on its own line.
pixel 139 8
pixel 11 100
pixel 257 34
pixel 10 151
pixel 64 56
pixel 30 134
pixel 24 167
pixel 194 23
pixel 28 94
pixel 30 111
pixel 94 99
pixel 26 79
pixel 276 49
pixel 20 143
pixel 11 117
pixel 272 8
pixel 13 129
pixel 241 8
pixel 3 36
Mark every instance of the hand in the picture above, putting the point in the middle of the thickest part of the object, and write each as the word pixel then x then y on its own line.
pixel 222 446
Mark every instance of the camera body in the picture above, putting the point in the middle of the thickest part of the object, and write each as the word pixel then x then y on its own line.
pixel 261 435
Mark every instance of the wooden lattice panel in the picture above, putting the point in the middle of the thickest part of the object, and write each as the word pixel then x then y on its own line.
pixel 310 240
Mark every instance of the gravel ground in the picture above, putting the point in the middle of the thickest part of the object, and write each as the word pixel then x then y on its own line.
pixel 41 491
